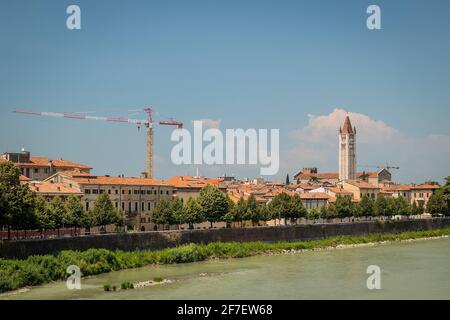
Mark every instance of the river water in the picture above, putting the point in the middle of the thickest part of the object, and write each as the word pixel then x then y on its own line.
pixel 413 270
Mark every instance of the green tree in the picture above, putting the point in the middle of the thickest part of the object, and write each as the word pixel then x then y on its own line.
pixel 421 208
pixel 331 212
pixel 446 192
pixel 120 218
pixel 280 206
pixel 162 213
pixel 400 206
pixel 56 212
pixel 75 214
pixel 39 212
pixel 381 207
pixel 16 200
pixel 26 218
pixel 252 211
pixel 214 204
pixel 437 203
pixel 415 209
pixel 263 213
pixel 313 214
pixel 237 212
pixel 176 206
pixel 192 213
pixel 297 210
pixel 367 206
pixel 357 210
pixel 344 207
pixel 323 213
pixel 103 212
pixel 288 182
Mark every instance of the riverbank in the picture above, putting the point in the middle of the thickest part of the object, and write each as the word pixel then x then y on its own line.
pixel 35 270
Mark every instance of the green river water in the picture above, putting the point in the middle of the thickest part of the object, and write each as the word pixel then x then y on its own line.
pixel 414 270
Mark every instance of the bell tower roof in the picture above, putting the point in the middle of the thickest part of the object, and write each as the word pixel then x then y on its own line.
pixel 347 128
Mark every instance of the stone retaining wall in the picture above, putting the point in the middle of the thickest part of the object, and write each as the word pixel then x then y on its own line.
pixel 163 239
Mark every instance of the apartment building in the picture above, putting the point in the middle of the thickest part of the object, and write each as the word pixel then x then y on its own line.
pixel 135 196
pixel 40 168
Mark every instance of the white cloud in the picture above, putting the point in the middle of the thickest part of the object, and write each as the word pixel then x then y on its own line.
pixel 324 128
pixel 420 159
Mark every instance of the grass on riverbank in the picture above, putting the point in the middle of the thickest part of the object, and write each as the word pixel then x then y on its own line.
pixel 35 270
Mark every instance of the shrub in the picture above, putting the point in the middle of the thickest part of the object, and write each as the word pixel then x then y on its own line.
pixel 34 270
pixel 126 285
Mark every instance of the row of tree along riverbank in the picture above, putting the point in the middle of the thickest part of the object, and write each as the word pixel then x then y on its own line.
pixel 35 270
pixel 21 209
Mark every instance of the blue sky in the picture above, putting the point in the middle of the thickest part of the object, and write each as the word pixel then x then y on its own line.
pixel 249 64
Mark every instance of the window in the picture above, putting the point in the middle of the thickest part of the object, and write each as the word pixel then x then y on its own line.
pixel 102 191
pixel 95 191
pixel 160 192
pixel 135 206
pixel 87 191
pixel 129 191
pixel 129 206
pixel 154 192
pixel 109 191
pixel 123 206
pixel 36 170
pixel 167 191
pixel 142 206
pixel 149 191
pixel 45 170
pixel 149 206
pixel 117 205
pixel 123 191
pixel 116 191
pixel 136 191
pixel 142 191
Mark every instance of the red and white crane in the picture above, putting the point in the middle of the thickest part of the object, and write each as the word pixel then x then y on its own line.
pixel 148 123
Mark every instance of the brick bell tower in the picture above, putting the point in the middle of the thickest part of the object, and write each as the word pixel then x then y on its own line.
pixel 347 151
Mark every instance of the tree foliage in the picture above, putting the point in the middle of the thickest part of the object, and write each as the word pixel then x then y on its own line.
pixel 214 204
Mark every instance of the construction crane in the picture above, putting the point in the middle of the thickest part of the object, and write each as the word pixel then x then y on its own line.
pixel 148 123
pixel 387 167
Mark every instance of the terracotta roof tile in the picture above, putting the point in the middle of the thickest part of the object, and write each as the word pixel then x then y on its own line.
pixel 23 178
pixel 103 180
pixel 361 184
pixel 314 195
pixel 193 182
pixel 52 188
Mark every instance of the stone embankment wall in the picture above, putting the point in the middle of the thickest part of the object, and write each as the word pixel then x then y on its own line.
pixel 164 239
